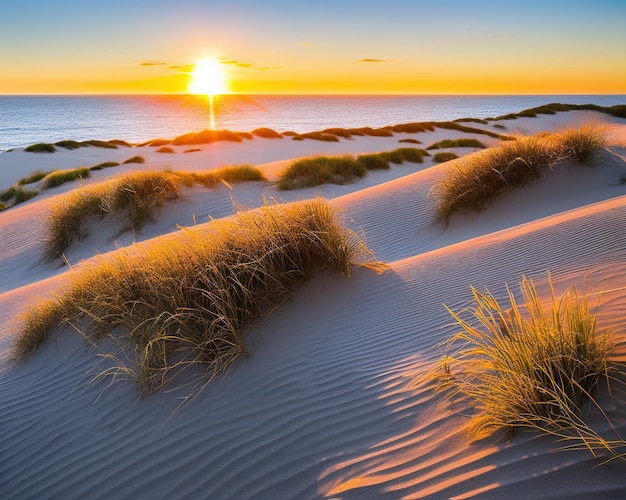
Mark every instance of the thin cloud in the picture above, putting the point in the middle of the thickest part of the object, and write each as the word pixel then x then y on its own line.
pixel 184 68
pixel 153 63
pixel 367 60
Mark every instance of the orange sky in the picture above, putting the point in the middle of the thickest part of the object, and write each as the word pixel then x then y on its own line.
pixel 404 47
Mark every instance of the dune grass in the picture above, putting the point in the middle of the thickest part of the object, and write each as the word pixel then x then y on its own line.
pixel 477 179
pixel 532 366
pixel 136 194
pixel 205 137
pixel 317 170
pixel 411 141
pixel 41 147
pixel 7 194
pixel 32 178
pixel 266 133
pixel 3 206
pixel 457 143
pixel 134 159
pixel 17 194
pixel 100 144
pixel 189 298
pixel 165 149
pixel 444 156
pixel 317 136
pixel 69 144
pixel 59 177
pixel 106 164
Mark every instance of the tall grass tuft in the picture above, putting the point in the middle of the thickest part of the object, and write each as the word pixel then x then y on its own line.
pixel 444 156
pixel 532 366
pixel 457 143
pixel 41 147
pixel 32 178
pixel 477 179
pixel 189 298
pixel 581 142
pixel 137 194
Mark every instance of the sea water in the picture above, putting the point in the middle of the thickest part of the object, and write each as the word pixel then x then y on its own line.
pixel 26 120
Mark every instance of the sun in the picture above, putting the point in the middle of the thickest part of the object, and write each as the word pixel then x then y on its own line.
pixel 208 78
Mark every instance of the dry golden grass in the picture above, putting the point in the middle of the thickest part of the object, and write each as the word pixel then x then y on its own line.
pixel 188 298
pixel 137 193
pixel 532 366
pixel 475 180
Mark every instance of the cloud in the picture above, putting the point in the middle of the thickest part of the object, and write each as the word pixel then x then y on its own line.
pixel 153 63
pixel 373 60
pixel 269 68
pixel 233 62
pixel 184 68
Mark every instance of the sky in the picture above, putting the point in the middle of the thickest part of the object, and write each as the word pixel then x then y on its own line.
pixel 315 47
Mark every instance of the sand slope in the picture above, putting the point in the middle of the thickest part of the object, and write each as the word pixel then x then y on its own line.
pixel 334 400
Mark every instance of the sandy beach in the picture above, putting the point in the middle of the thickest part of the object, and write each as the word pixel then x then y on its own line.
pixel 334 399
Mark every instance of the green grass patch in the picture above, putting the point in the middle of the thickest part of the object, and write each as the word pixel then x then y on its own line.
pixel 317 136
pixel 106 164
pixel 188 299
pixel 373 161
pixel 317 170
pixel 134 159
pixel 532 366
pixel 22 195
pixel 59 177
pixel 7 194
pixel 457 143
pixel 3 206
pixel 443 156
pixel 34 177
pixel 70 144
pixel 41 147
pixel 100 144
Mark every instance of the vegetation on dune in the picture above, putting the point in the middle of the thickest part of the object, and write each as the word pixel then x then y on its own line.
pixel 317 170
pixel 267 133
pixel 137 194
pixel 188 299
pixel 318 136
pixel 106 164
pixel 3 206
pixel 205 137
pixel 477 179
pixel 159 142
pixel 134 159
pixel 59 177
pixel 70 144
pixel 532 366
pixel 17 194
pixel 40 147
pixel 165 149
pixel 444 156
pixel 411 141
pixel 552 108
pixel 32 178
pixel 120 142
pixel 100 144
pixel 457 143
pixel 192 150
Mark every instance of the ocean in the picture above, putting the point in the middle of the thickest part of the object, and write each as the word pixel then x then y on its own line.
pixel 26 120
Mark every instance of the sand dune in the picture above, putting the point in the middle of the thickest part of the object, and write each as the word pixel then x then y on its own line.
pixel 334 400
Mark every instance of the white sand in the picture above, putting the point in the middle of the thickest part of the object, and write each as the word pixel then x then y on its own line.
pixel 333 400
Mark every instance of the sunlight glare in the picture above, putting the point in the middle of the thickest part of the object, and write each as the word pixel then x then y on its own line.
pixel 207 78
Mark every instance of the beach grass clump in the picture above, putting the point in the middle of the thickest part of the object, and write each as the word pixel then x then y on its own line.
pixel 165 149
pixel 411 141
pixel 134 159
pixel 7 194
pixel 32 178
pixel 317 170
pixel 188 299
pixel 317 136
pixel 135 194
pixel 477 179
pixel 3 206
pixel 532 366
pixel 103 165
pixel 22 194
pixel 100 144
pixel 583 141
pixel 69 144
pixel 206 136
pixel 120 142
pixel 443 156
pixel 413 155
pixel 266 133
pixel 159 142
pixel 41 147
pixel 373 161
pixel 464 142
pixel 58 177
